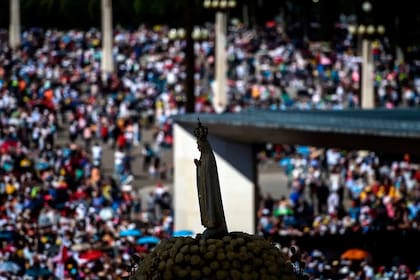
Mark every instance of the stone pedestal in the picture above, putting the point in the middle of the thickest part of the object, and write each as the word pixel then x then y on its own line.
pixel 235 256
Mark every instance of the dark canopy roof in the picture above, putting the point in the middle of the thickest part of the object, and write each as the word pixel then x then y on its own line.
pixel 378 129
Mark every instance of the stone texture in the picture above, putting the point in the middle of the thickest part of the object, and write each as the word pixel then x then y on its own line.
pixel 235 256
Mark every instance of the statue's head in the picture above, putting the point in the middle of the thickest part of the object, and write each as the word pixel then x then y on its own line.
pixel 201 132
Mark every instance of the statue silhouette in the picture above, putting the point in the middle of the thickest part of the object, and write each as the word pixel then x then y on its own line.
pixel 209 196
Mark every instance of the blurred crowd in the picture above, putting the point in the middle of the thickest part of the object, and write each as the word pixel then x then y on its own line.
pixel 345 193
pixel 316 265
pixel 269 68
pixel 62 216
pixel 334 191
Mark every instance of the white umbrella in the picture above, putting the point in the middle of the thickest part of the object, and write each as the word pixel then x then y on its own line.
pixel 106 213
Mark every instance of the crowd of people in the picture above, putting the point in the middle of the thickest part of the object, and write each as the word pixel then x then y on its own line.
pixel 335 192
pixel 270 69
pixel 316 265
pixel 62 216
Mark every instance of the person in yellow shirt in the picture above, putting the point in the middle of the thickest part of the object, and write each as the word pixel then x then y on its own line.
pixel 255 92
pixel 10 188
pixel 364 194
pixel 106 192
pixel 381 192
pixel 394 193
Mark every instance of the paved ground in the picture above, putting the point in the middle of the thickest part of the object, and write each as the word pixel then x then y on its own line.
pixel 271 178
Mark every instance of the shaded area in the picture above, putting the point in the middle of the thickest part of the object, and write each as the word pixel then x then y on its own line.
pixel 386 247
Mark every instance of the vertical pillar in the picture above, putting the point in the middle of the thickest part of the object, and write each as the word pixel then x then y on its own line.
pixel 14 28
pixel 399 55
pixel 190 62
pixel 107 63
pixel 245 15
pixel 237 179
pixel 368 94
pixel 220 92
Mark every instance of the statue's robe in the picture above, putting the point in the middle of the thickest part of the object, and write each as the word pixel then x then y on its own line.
pixel 210 199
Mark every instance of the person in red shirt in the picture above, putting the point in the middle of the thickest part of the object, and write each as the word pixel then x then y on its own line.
pixel 121 141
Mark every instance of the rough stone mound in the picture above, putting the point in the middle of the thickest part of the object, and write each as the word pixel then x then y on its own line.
pixel 235 256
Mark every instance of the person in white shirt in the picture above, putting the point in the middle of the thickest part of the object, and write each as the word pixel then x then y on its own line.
pixel 333 203
pixel 96 154
pixel 119 156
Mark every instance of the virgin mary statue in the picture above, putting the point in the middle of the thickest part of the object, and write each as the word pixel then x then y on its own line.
pixel 209 197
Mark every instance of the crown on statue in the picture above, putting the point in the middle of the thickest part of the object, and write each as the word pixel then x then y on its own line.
pixel 201 131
